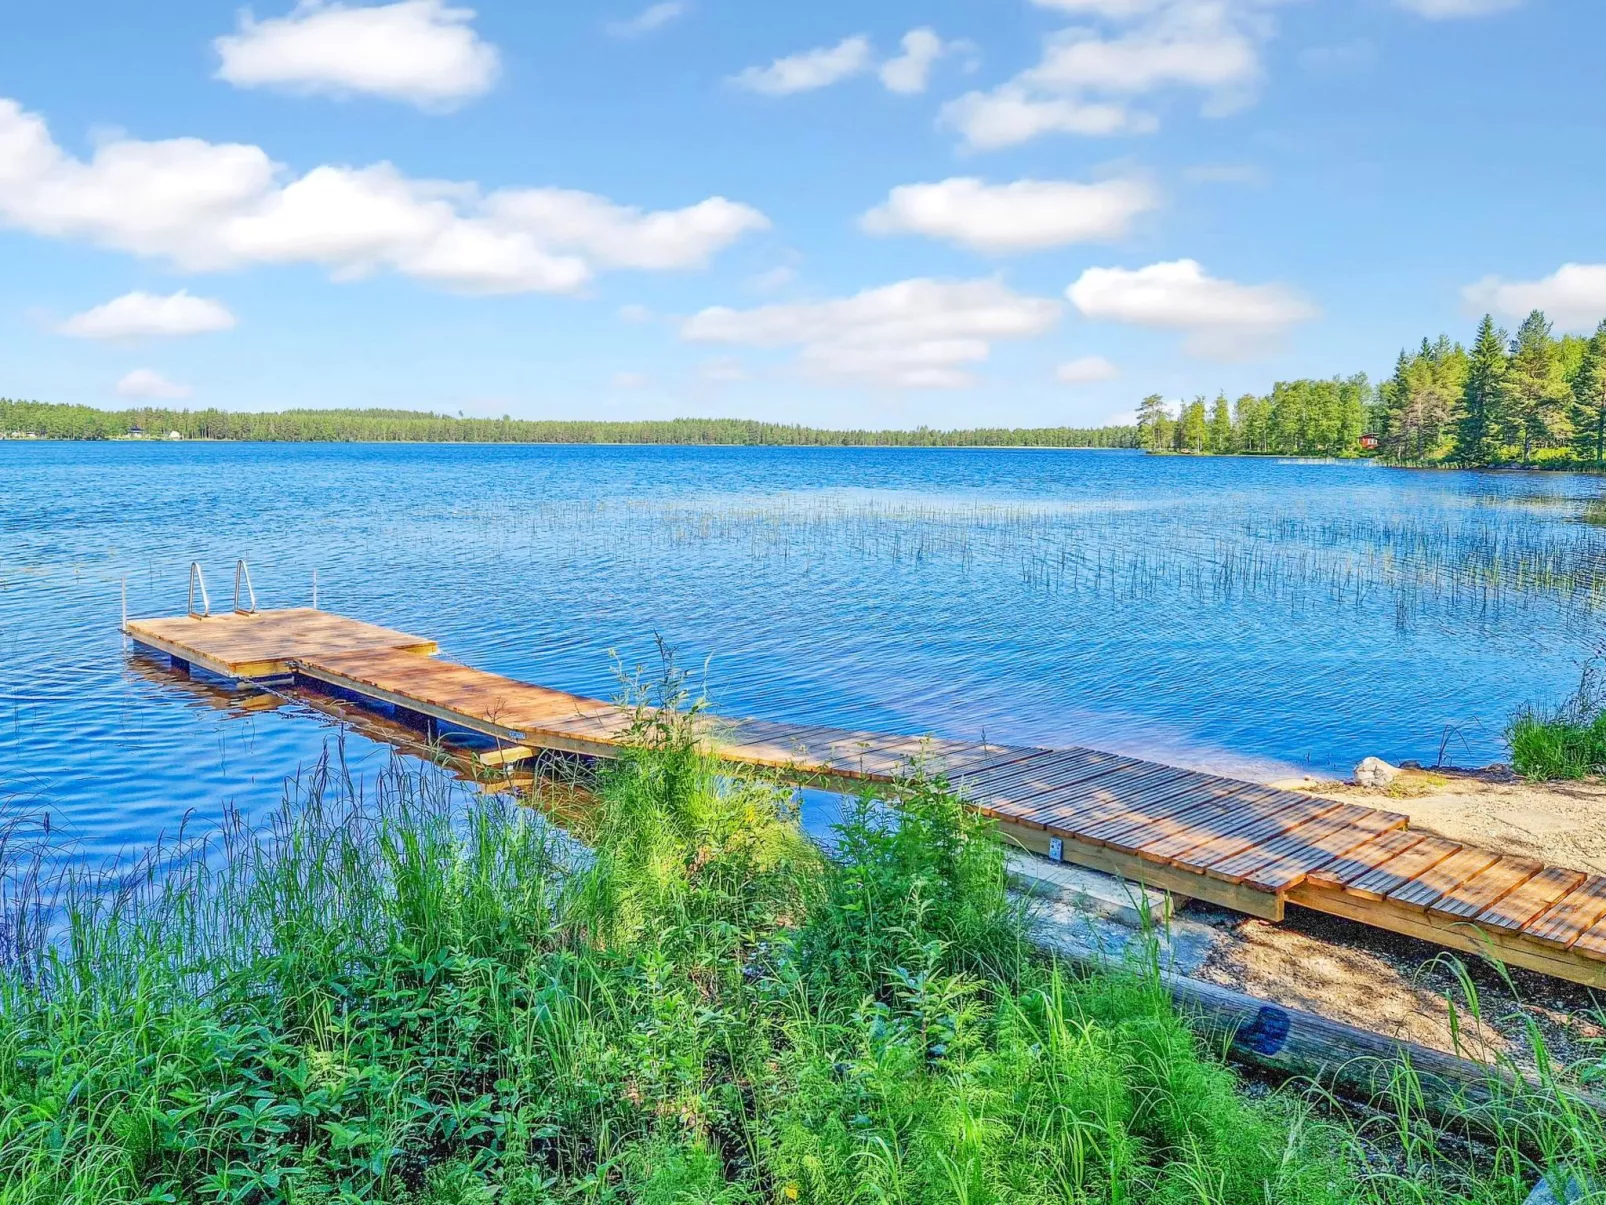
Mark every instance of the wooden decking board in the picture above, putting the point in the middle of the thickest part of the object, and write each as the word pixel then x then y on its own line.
pixel 1367 856
pixel 1514 910
pixel 1181 801
pixel 1487 888
pixel 1256 827
pixel 1237 867
pixel 1571 916
pixel 1398 871
pixel 1306 849
pixel 1192 810
pixel 1443 878
pixel 1042 772
pixel 1168 845
pixel 260 644
pixel 1592 943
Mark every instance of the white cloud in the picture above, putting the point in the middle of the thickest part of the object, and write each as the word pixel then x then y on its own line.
pixel 910 71
pixel 1087 369
pixel 1023 216
pixel 1009 116
pixel 1220 317
pixel 653 17
pixel 1085 81
pixel 773 280
pixel 148 383
pixel 619 236
pixel 418 51
pixel 207 207
pixel 913 334
pixel 809 70
pixel 1573 296
pixel 1443 10
pixel 135 315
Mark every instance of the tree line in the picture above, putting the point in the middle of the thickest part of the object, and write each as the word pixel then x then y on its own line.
pixel 1526 399
pixel 57 421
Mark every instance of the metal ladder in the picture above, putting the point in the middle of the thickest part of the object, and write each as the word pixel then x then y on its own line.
pixel 242 576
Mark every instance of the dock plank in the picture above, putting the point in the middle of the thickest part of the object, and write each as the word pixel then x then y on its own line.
pixel 1513 911
pixel 1443 877
pixel 1367 856
pixel 1487 888
pixel 1571 916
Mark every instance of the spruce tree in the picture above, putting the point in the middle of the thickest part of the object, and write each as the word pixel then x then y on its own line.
pixel 1534 394
pixel 1477 437
pixel 1589 399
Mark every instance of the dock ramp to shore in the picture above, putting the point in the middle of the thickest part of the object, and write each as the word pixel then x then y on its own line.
pixel 1239 845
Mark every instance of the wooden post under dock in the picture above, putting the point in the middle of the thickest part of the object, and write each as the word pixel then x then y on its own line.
pixel 1246 847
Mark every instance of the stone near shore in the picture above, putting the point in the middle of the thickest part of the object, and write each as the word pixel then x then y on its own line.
pixel 1375 772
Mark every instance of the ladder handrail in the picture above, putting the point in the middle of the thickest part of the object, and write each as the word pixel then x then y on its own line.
pixel 241 569
pixel 198 578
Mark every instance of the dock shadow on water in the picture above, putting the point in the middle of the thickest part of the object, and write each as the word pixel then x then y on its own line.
pixel 397 989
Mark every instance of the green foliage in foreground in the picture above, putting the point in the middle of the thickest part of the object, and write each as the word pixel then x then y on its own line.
pixel 55 421
pixel 413 997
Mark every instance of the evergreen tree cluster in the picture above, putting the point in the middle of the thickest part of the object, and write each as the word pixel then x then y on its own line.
pixel 83 422
pixel 1297 418
pixel 1524 399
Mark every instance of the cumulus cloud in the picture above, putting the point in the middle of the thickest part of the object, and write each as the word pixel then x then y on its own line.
pixel 1573 296
pixel 1087 369
pixel 909 72
pixel 1220 317
pixel 653 17
pixel 1027 215
pixel 138 315
pixel 914 334
pixel 206 206
pixel 149 384
pixel 811 69
pixel 421 52
pixel 1087 80
pixel 1444 10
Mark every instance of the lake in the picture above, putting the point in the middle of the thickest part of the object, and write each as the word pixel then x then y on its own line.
pixel 1235 614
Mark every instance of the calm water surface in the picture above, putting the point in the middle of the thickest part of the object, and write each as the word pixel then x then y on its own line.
pixel 1244 615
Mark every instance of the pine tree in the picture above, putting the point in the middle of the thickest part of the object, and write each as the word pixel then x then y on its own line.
pixel 1534 394
pixel 1589 399
pixel 1153 421
pixel 1220 439
pixel 1192 429
pixel 1477 436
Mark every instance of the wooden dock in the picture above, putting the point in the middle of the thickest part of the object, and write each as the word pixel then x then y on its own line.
pixel 1247 847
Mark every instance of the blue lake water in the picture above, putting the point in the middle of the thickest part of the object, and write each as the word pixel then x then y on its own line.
pixel 1243 615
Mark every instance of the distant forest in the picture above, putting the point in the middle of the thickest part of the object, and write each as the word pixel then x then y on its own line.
pixel 82 422
pixel 1525 399
pixel 1531 398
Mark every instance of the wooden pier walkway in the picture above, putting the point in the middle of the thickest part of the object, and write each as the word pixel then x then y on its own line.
pixel 1250 848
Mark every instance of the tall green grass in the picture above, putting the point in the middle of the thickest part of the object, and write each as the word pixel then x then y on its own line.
pixel 400 993
pixel 1564 742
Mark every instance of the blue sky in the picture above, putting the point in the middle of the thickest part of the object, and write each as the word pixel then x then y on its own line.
pixel 954 212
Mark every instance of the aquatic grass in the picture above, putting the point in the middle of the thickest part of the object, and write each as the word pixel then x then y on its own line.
pixel 393 990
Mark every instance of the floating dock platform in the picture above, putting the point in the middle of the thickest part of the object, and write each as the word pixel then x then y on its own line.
pixel 1246 847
